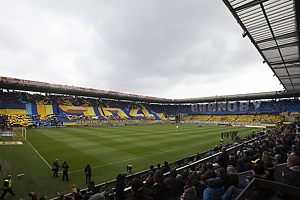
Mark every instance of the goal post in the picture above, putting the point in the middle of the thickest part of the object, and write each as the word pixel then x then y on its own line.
pixel 18 133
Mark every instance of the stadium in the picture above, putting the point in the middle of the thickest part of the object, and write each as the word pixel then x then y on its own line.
pixel 41 122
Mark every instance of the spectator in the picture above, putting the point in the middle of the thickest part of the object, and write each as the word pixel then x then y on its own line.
pixel 240 167
pixel 166 167
pixel 78 195
pixel 158 167
pixel 174 183
pixel 160 190
pixel 110 195
pixel 224 178
pixel 223 158
pixel 269 163
pixel 214 191
pixel 260 172
pixel 120 186
pixel 182 183
pixel 91 187
pixel 210 173
pixel 189 191
pixel 195 181
pixel 203 185
pixel 138 190
pixel 291 176
pixel 233 176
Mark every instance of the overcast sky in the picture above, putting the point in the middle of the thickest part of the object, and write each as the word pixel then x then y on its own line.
pixel 170 48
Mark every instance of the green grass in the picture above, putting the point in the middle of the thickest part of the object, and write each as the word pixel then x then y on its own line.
pixel 107 149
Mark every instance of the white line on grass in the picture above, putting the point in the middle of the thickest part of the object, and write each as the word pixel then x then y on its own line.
pixel 50 136
pixel 38 154
pixel 143 156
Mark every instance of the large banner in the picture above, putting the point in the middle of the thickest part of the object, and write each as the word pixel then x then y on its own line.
pixel 232 106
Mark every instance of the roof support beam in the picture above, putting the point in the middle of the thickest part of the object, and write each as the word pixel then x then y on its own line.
pixel 250 4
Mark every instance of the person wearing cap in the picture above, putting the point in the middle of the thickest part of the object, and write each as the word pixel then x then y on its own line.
pixel 7 187
pixel 88 173
pixel 260 172
pixel 138 190
pixel 55 168
pixel 120 186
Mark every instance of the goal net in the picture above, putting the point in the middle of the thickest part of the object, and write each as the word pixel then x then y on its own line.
pixel 18 133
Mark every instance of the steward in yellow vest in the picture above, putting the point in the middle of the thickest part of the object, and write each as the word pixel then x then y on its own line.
pixel 7 187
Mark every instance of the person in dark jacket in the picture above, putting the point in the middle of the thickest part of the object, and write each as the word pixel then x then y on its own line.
pixel 88 173
pixel 223 158
pixel 65 168
pixel 138 190
pixel 174 183
pixel 240 167
pixel 91 187
pixel 32 195
pixel 55 168
pixel 291 176
pixel 120 186
pixel 160 190
pixel 210 173
pixel 166 167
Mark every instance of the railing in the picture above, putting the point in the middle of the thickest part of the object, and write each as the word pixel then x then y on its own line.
pixel 248 192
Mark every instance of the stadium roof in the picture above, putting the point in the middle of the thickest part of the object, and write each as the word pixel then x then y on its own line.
pixel 272 27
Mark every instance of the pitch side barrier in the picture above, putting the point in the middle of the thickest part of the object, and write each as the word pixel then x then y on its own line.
pixel 181 165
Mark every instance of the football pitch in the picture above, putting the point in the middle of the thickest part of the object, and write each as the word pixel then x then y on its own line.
pixel 108 149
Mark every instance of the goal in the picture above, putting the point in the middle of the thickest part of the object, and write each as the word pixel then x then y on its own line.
pixel 18 133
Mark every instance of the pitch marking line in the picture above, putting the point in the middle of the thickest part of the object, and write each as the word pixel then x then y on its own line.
pixel 142 156
pixel 49 136
pixel 39 154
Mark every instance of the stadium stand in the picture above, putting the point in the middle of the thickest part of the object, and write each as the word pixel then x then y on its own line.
pixel 37 110
pixel 70 108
